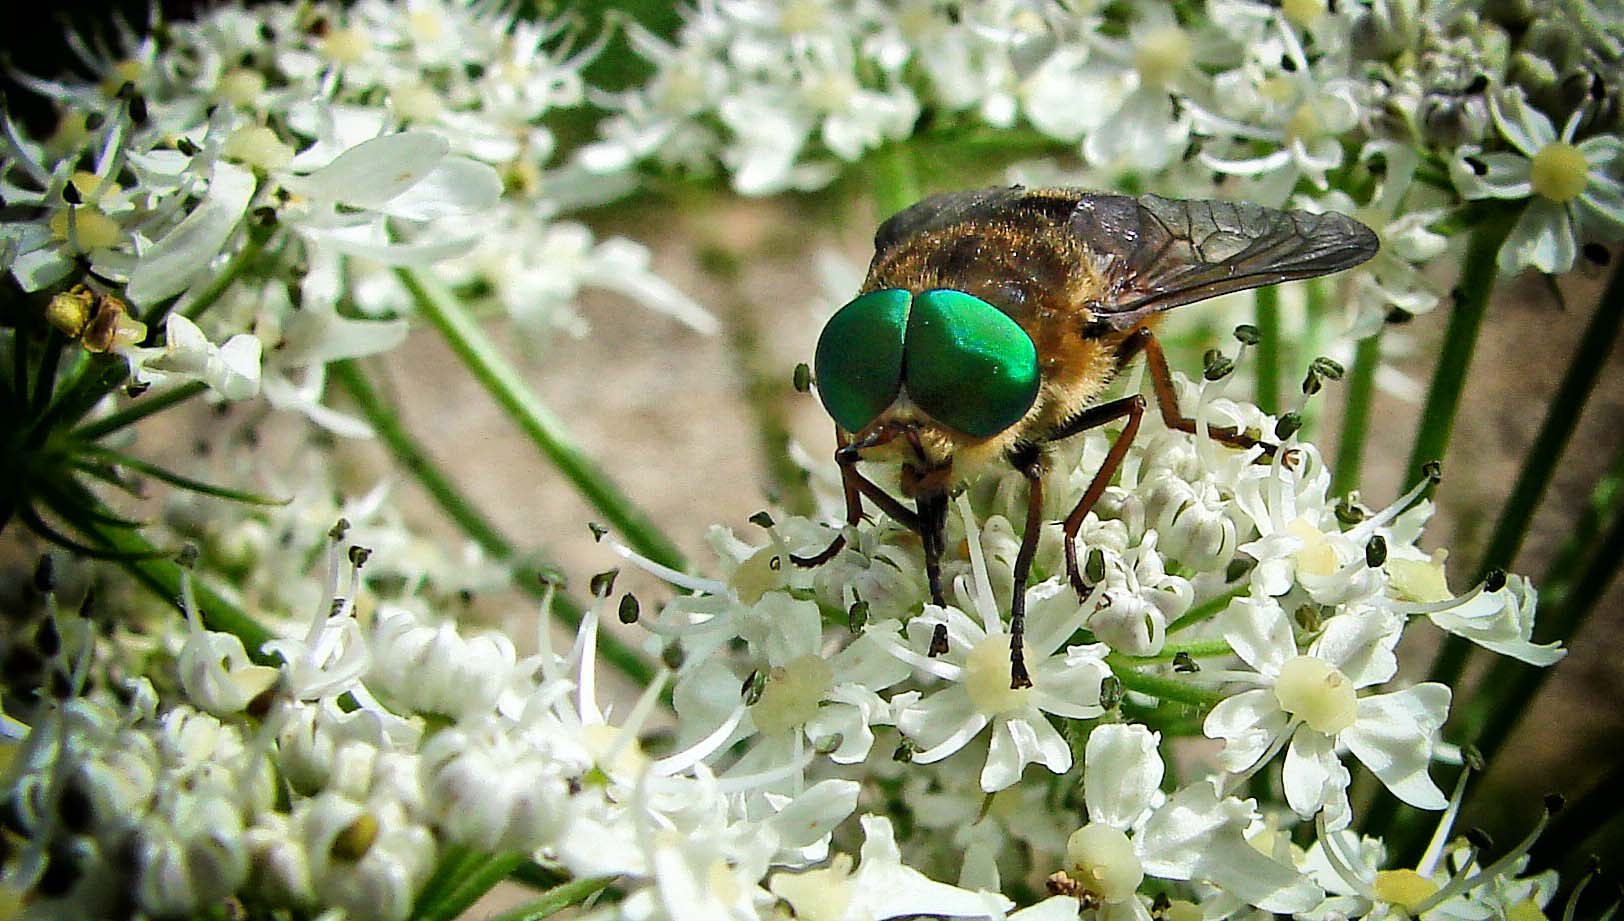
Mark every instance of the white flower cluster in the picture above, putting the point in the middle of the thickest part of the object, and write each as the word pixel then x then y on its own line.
pixel 261 171
pixel 1271 99
pixel 1219 586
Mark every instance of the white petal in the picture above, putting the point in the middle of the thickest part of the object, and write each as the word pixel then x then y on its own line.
pixel 1542 239
pixel 169 265
pixel 457 187
pixel 1394 736
pixel 813 814
pixel 373 172
pixel 1018 742
pixel 1312 771
pixel 1524 126
pixel 1248 723
pixel 941 724
pixel 1122 770
pixel 1260 633
pixel 1195 836
pixel 1053 908
pixel 885 888
pixel 1360 644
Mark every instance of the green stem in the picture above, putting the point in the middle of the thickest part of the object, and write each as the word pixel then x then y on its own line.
pixel 1270 348
pixel 140 409
pixel 1460 342
pixel 222 282
pixel 893 179
pixel 162 578
pixel 1168 689
pixel 468 887
pixel 461 510
pixel 1560 419
pixel 1202 650
pixel 1208 609
pixel 1350 448
pixel 502 381
pixel 557 899
pixel 1511 686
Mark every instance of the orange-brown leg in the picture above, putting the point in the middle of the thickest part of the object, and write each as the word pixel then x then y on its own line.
pixel 1030 464
pixel 1134 409
pixel 856 486
pixel 1161 379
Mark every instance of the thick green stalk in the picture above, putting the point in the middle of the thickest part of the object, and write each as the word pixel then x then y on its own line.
pixel 557 899
pixel 1171 690
pixel 1511 686
pixel 162 578
pixel 461 510
pixel 1350 448
pixel 140 409
pixel 467 888
pixel 894 180
pixel 1560 420
pixel 503 382
pixel 1270 348
pixel 1460 342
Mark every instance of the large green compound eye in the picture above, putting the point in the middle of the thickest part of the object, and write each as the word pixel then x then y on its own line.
pixel 859 358
pixel 969 364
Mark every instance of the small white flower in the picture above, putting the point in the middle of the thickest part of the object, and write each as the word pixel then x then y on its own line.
pixel 1311 701
pixel 231 370
pixel 1192 835
pixel 1572 190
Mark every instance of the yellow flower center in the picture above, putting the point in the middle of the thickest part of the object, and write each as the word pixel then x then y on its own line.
pixel 346 46
pixel 257 146
pixel 1302 13
pixel 241 86
pixel 792 695
pixel 1526 910
pixel 800 17
pixel 1304 124
pixel 1316 692
pixel 1161 55
pixel 91 228
pixel 817 895
pixel 1560 172
pixel 427 25
pixel 1105 862
pixel 1315 557
pixel 761 573
pixel 986 678
pixel 1419 580
pixel 1404 888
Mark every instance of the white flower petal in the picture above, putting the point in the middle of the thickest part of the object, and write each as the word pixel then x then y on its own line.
pixel 1259 632
pixel 1017 742
pixel 885 888
pixel 1394 736
pixel 1312 772
pixel 1248 722
pixel 172 263
pixel 1542 239
pixel 1360 644
pixel 372 173
pixel 1197 837
pixel 458 187
pixel 941 723
pixel 1122 770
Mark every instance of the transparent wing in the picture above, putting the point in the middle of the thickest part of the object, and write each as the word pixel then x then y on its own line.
pixel 1157 253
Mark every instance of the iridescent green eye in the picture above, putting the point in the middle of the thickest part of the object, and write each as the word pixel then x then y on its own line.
pixel 968 363
pixel 859 358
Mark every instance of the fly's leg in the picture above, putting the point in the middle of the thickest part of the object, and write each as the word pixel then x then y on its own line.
pixel 1161 379
pixel 1029 461
pixel 856 486
pixel 1093 417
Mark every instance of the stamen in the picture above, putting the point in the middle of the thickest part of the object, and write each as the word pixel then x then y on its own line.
pixel 681 580
pixel 700 750
pixel 1440 836
pixel 985 606
pixel 14 149
pixel 1363 531
pixel 632 726
pixel 1506 864
pixel 744 783
pixel 1331 847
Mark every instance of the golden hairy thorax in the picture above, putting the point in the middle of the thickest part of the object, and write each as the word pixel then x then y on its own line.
pixel 1042 276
